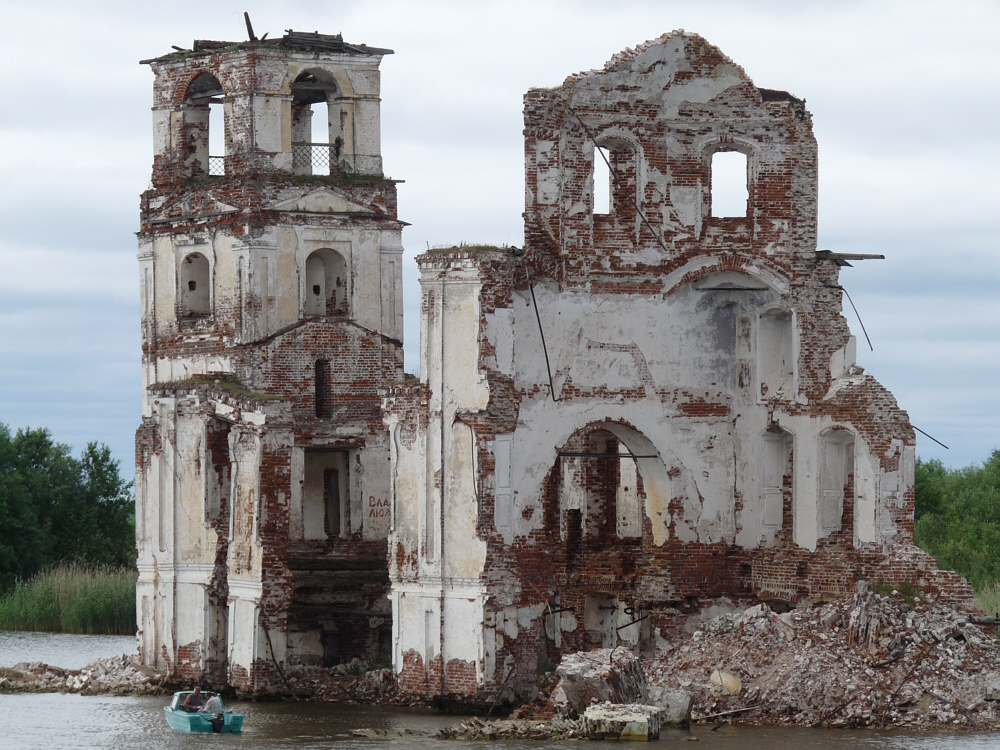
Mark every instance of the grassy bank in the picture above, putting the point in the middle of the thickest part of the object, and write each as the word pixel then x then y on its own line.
pixel 73 599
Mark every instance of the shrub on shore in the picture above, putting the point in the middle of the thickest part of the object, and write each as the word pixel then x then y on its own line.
pixel 73 598
pixel 958 518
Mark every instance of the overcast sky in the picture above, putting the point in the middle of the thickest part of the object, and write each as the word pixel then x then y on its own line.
pixel 905 98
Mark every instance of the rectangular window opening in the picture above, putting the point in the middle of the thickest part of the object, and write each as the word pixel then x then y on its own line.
pixel 216 128
pixel 602 181
pixel 729 184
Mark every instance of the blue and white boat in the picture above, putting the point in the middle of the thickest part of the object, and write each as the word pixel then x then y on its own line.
pixel 182 721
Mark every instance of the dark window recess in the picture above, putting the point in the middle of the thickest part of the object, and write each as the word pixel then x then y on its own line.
pixel 331 496
pixel 322 386
pixel 192 285
pixel 574 534
pixel 316 289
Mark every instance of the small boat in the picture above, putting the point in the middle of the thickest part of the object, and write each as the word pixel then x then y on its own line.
pixel 182 721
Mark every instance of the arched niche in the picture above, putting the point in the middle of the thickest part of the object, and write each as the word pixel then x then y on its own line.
pixel 836 481
pixel 327 287
pixel 600 620
pixel 775 481
pixel 715 324
pixel 195 287
pixel 776 353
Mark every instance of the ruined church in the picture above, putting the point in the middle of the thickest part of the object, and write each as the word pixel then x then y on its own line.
pixel 649 414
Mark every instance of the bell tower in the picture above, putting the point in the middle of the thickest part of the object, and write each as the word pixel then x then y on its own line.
pixel 271 304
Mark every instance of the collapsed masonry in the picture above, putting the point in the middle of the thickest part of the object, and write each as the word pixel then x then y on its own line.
pixel 650 414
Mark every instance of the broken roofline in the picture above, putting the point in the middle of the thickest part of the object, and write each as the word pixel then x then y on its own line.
pixel 303 41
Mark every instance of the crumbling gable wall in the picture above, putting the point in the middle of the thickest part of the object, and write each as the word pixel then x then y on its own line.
pixel 649 412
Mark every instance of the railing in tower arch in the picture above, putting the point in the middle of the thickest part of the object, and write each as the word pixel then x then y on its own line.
pixel 316 159
pixel 326 158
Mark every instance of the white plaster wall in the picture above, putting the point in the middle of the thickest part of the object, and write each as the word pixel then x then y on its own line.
pixel 244 559
pixel 628 342
pixel 244 633
pixel 449 364
pixel 408 487
pixel 373 505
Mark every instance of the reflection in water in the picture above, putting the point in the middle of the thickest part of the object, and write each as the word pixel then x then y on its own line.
pixel 54 722
pixel 61 649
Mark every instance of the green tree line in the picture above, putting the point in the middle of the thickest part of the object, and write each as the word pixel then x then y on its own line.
pixel 58 508
pixel 957 514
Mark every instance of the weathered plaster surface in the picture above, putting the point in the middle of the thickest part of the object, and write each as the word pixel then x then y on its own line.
pixel 262 462
pixel 645 415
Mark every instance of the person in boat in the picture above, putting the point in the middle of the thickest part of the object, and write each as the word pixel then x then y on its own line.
pixel 213 705
pixel 193 703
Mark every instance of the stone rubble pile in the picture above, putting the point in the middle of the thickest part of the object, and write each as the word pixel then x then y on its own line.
pixel 347 684
pixel 120 675
pixel 868 660
pixel 556 728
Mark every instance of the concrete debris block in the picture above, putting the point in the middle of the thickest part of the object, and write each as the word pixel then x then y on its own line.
pixel 608 721
pixel 674 704
pixel 728 682
pixel 992 680
pixel 591 676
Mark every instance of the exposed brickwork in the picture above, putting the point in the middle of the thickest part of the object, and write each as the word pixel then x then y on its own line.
pixel 682 376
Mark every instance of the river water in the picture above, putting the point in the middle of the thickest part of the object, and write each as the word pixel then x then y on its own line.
pixel 54 722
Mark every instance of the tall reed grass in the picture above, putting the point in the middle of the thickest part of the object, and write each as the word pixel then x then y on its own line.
pixel 73 598
pixel 988 598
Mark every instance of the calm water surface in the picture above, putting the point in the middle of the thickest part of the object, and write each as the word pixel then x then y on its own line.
pixel 61 649
pixel 55 722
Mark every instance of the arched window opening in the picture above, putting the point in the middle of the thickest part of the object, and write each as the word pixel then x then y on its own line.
pixel 194 292
pixel 327 291
pixel 318 145
pixel 836 495
pixel 730 192
pixel 776 475
pixel 775 354
pixel 601 492
pixel 615 179
pixel 321 388
pixel 205 130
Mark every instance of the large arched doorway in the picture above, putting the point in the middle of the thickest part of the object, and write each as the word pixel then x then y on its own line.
pixel 607 480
